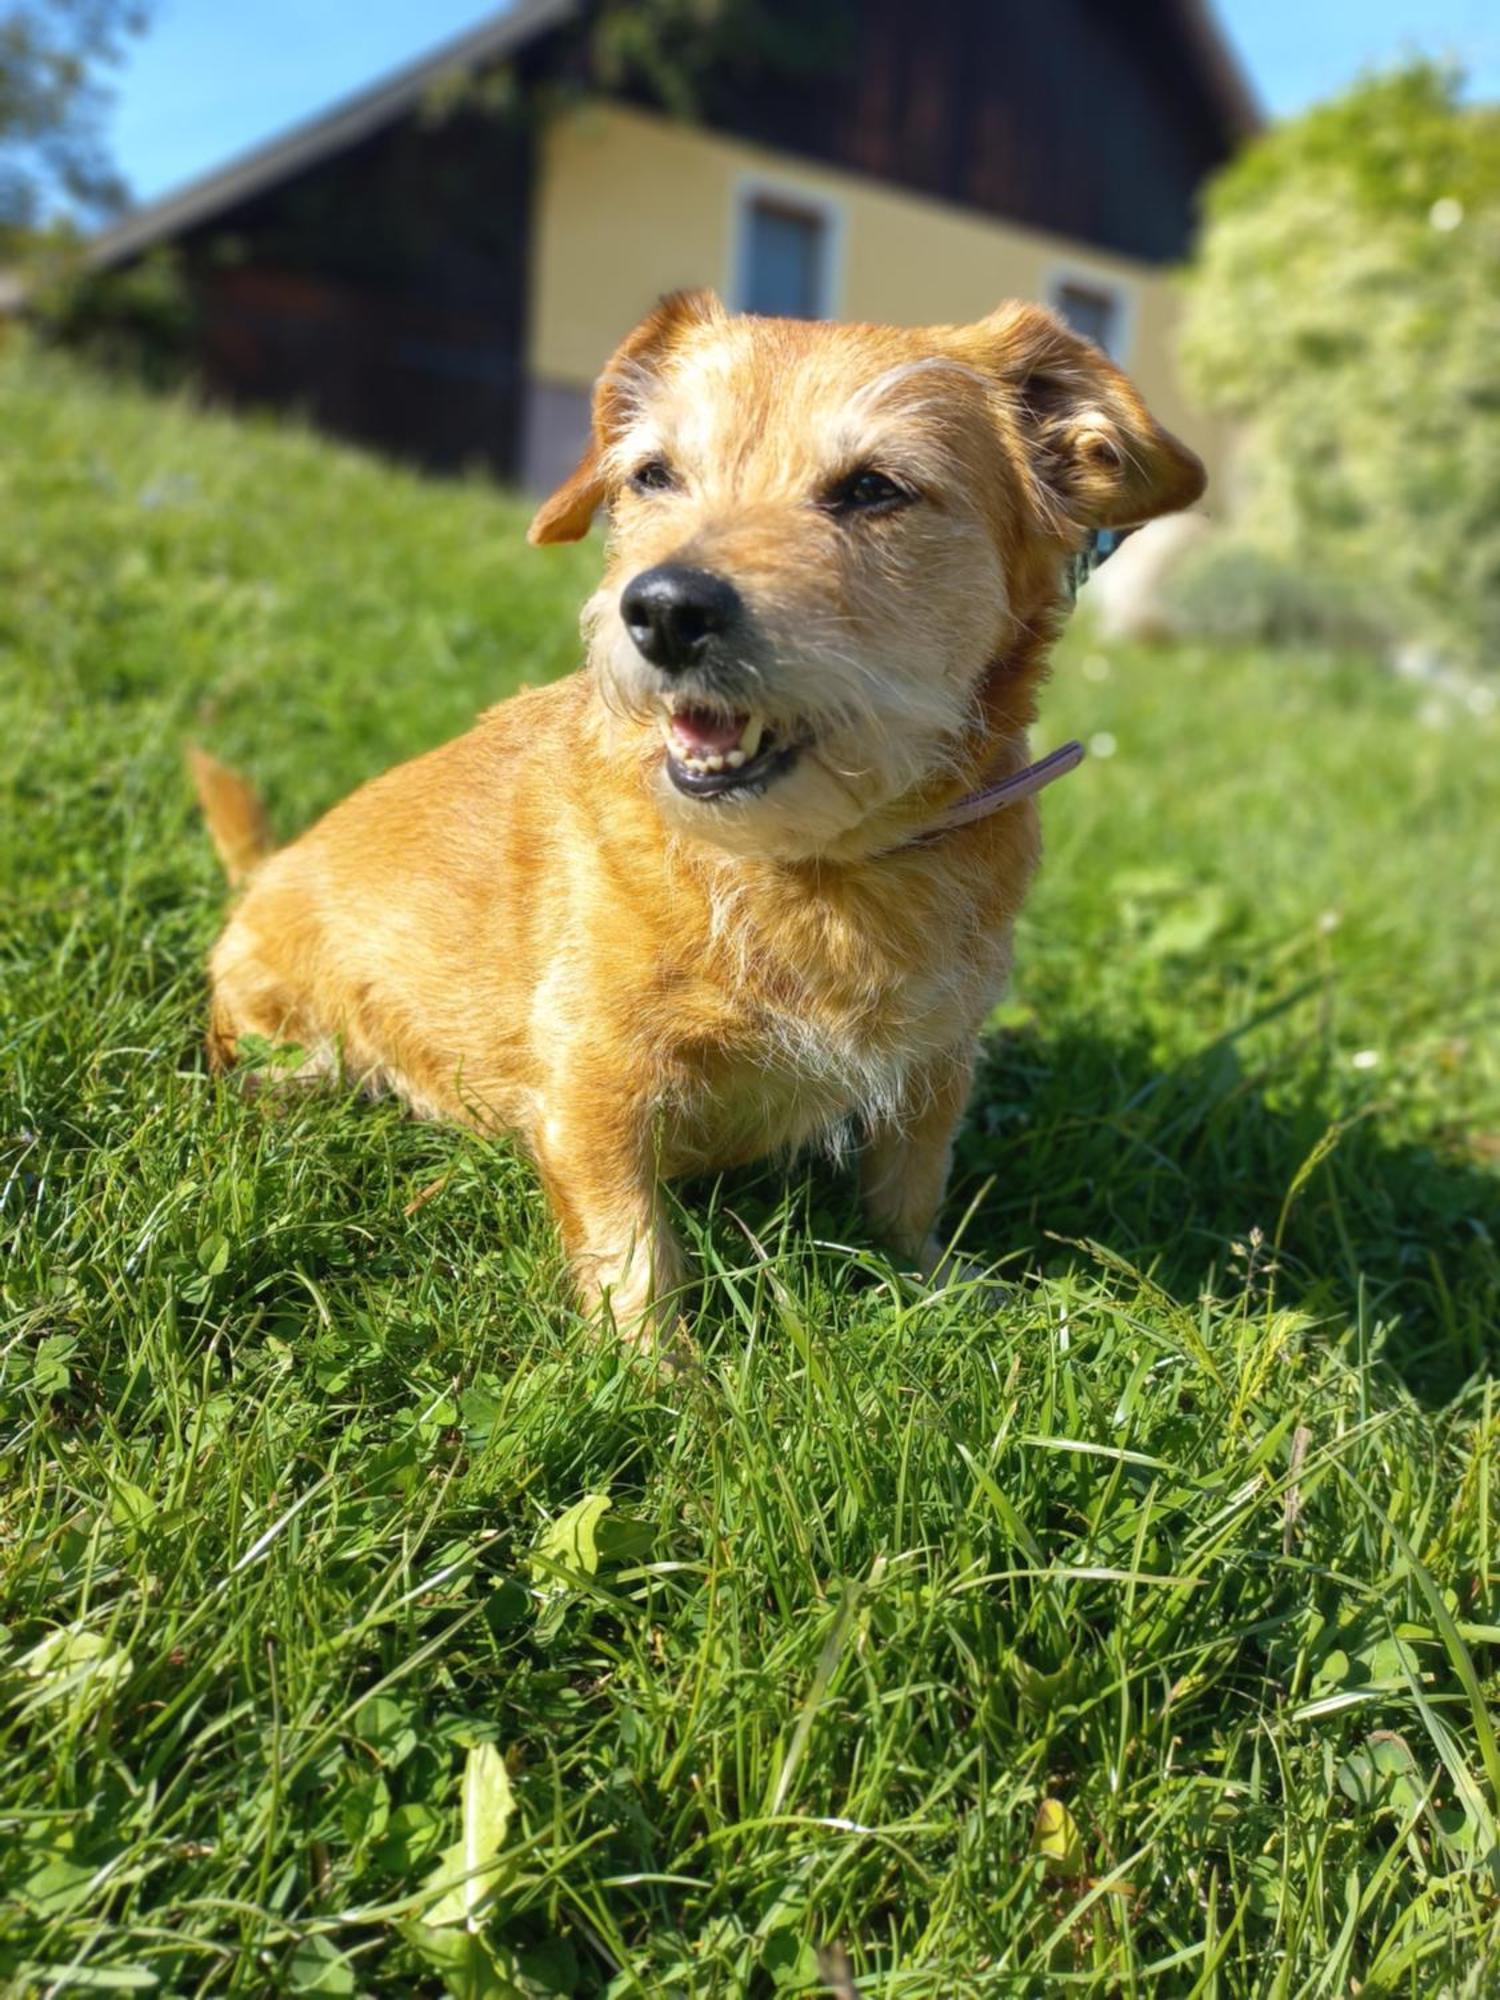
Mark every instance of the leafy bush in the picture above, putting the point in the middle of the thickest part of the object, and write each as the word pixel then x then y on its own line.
pixel 1343 311
pixel 138 321
pixel 1231 591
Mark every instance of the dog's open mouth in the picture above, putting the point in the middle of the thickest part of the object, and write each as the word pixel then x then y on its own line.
pixel 710 755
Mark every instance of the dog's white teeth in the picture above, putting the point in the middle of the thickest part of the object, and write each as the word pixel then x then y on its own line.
pixel 705 760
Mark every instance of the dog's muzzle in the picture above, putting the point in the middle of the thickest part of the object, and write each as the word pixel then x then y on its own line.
pixel 685 623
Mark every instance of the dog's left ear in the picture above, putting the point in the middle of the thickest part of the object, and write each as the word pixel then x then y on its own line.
pixel 1098 455
pixel 565 516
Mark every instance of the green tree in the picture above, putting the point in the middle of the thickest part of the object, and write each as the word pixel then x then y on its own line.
pixel 668 48
pixel 683 55
pixel 53 54
pixel 1344 310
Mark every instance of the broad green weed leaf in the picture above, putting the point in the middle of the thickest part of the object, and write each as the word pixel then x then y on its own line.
pixel 384 1727
pixel 59 1888
pixel 1382 1775
pixel 413 1835
pixel 213 1254
pixel 316 1966
pixel 130 1507
pixel 1057 1840
pixel 73 1662
pixel 550 1971
pixel 791 1962
pixel 480 1407
pixel 469 1969
pixel 254 1053
pixel 622 1538
pixel 1042 1693
pixel 507 1605
pixel 50 1374
pixel 465 1876
pixel 571 1541
pixel 1462 1834
pixel 566 1554
pixel 1266 1887
pixel 365 1810
pixel 92 1979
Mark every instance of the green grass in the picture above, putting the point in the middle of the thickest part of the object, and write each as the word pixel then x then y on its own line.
pixel 1199 1535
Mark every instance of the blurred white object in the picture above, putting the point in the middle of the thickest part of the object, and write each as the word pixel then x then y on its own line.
pixel 1416 660
pixel 1127 596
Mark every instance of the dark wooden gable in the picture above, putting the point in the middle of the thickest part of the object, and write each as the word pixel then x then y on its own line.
pixel 382 292
pixel 1085 118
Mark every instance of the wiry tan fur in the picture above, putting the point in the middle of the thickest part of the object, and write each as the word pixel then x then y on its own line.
pixel 531 930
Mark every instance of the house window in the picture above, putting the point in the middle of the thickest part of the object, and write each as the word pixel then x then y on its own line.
pixel 1095 310
pixel 785 257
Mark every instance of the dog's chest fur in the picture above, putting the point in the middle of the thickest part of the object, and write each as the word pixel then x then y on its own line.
pixel 834 1012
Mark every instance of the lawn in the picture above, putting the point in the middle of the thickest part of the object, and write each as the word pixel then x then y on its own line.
pixel 1134 1635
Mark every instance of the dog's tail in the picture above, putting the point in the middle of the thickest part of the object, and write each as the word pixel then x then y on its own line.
pixel 236 818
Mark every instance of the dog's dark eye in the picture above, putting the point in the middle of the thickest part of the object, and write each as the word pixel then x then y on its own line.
pixel 655 476
pixel 868 492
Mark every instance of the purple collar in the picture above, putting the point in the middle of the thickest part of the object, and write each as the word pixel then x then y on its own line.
pixel 1004 792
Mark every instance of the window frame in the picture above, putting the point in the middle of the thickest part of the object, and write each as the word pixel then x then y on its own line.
pixel 750 190
pixel 1119 291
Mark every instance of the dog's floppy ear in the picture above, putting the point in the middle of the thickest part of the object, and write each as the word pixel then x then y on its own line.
pixel 1098 455
pixel 566 514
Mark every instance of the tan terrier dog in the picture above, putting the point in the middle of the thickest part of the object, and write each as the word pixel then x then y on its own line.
pixel 749 877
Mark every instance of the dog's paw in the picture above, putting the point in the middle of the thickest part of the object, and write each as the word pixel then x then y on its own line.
pixel 653 1325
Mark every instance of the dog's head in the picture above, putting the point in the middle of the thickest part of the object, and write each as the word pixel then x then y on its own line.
pixel 824 541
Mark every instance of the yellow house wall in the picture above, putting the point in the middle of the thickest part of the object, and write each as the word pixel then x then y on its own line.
pixel 630 206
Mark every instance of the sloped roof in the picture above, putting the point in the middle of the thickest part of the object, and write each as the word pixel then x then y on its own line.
pixel 505 34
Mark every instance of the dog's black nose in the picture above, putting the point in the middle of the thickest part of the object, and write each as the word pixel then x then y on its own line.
pixel 672 612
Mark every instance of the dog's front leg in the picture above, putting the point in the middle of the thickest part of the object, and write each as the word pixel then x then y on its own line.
pixel 598 1165
pixel 905 1166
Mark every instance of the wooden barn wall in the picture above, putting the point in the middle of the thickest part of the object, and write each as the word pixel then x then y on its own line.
pixel 382 293
pixel 1079 117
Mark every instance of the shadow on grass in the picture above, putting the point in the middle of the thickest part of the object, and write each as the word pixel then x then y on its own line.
pixel 1082 1150
pixel 1076 1136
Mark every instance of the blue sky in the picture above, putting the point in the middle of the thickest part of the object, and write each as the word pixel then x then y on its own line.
pixel 213 77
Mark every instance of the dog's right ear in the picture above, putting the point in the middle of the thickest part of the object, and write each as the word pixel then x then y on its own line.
pixel 565 515
pixel 1098 457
